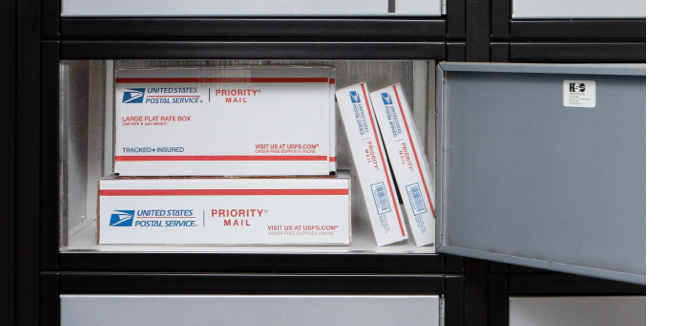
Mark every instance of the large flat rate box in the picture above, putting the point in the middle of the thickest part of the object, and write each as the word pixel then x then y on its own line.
pixel 224 122
pixel 266 211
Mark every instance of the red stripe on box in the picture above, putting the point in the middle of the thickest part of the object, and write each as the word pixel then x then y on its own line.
pixel 332 81
pixel 221 80
pixel 219 158
pixel 381 153
pixel 332 159
pixel 414 151
pixel 223 192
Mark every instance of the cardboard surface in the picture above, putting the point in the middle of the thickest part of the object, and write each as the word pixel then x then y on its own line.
pixel 243 121
pixel 238 211
pixel 371 163
pixel 408 161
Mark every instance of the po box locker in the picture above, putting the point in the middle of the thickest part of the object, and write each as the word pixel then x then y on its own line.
pixel 543 166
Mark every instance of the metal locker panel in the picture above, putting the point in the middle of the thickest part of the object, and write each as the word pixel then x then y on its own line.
pixel 577 311
pixel 525 180
pixel 171 310
pixel 247 8
pixel 578 9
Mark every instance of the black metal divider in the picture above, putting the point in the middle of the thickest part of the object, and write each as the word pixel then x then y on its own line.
pixel 7 160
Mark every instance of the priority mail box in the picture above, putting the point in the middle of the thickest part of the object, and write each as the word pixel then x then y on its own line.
pixel 407 159
pixel 236 211
pixel 371 163
pixel 246 121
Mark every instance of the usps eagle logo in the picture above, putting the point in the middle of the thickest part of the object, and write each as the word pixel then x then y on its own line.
pixel 122 218
pixel 133 95
pixel 387 98
pixel 354 97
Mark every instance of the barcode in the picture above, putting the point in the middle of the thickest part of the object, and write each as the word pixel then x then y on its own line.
pixel 416 198
pixel 381 198
pixel 420 223
pixel 384 223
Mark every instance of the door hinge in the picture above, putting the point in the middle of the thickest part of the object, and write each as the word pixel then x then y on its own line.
pixel 443 7
pixel 441 311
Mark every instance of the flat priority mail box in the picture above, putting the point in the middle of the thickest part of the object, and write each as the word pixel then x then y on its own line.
pixel 407 159
pixel 246 121
pixel 236 211
pixel 371 163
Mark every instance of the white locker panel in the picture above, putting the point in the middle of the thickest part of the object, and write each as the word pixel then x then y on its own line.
pixel 578 9
pixel 577 311
pixel 248 8
pixel 172 310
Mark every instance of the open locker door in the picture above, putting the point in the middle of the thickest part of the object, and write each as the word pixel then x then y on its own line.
pixel 543 165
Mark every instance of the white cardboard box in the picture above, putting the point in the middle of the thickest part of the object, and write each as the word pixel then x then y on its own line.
pixel 238 211
pixel 242 121
pixel 407 159
pixel 371 163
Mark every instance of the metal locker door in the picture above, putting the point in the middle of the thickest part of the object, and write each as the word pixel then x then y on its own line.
pixel 580 9
pixel 583 311
pixel 247 8
pixel 164 310
pixel 533 172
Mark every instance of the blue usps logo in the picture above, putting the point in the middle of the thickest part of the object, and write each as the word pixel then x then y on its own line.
pixel 354 97
pixel 387 98
pixel 135 95
pixel 122 218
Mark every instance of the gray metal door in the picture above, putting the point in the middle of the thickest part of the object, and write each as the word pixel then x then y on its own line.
pixel 171 310
pixel 250 8
pixel 578 9
pixel 543 166
pixel 577 311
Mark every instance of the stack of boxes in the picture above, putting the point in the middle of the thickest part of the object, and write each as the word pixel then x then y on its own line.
pixel 240 156
pixel 247 156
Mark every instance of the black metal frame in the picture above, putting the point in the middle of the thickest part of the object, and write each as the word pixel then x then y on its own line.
pixel 505 281
pixel 27 164
pixel 250 50
pixel 504 28
pixel 7 160
pixel 569 52
pixel 55 284
pixel 254 28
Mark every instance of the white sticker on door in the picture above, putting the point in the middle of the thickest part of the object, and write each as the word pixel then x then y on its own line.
pixel 580 93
